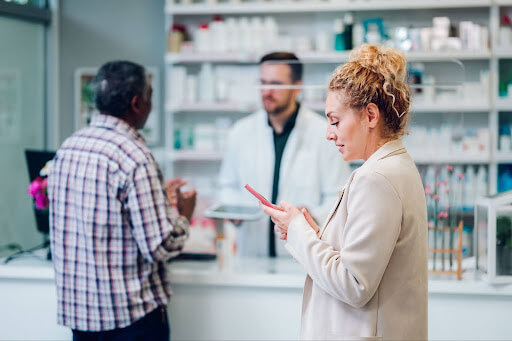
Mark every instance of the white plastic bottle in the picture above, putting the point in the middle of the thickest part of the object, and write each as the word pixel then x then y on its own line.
pixel 256 27
pixel 245 34
pixel 357 35
pixel 177 85
pixel 233 35
pixel 219 35
pixel 481 182
pixel 202 38
pixel 206 83
pixel 270 33
pixel 469 187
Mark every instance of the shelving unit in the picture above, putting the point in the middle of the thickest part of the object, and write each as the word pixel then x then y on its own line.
pixel 486 111
pixel 501 157
pixel 320 6
pixel 226 107
pixel 319 57
pixel 424 108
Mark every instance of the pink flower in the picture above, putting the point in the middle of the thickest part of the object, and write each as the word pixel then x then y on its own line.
pixel 447 208
pixel 439 184
pixel 447 190
pixel 449 167
pixel 461 176
pixel 44 183
pixel 430 224
pixel 428 189
pixel 42 202
pixel 437 197
pixel 445 182
pixel 35 187
pixel 442 215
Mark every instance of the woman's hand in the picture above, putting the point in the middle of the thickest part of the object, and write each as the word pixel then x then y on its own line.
pixel 281 219
pixel 310 220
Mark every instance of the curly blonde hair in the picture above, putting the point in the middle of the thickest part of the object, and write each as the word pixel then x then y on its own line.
pixel 377 74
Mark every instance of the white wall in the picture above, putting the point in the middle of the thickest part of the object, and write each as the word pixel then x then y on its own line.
pixel 93 32
pixel 21 124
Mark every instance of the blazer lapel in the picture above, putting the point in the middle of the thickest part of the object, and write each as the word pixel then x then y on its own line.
pixel 391 148
pixel 335 209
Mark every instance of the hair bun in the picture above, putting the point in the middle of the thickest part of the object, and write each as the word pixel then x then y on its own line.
pixel 389 63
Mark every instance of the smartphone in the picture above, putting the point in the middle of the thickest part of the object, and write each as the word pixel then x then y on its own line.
pixel 262 198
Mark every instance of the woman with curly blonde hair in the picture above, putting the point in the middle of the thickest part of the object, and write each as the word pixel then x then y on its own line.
pixel 367 265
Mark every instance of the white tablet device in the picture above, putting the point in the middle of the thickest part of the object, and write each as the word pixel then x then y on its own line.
pixel 221 211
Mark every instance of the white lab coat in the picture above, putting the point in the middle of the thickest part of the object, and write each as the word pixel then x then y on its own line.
pixel 311 174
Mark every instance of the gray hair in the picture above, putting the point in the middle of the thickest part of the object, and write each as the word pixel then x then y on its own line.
pixel 115 85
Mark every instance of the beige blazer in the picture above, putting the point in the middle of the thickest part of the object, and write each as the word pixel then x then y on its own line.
pixel 367 268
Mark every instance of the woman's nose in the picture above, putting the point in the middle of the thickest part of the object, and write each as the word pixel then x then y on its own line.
pixel 330 135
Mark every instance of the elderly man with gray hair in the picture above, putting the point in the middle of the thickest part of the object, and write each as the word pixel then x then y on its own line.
pixel 112 225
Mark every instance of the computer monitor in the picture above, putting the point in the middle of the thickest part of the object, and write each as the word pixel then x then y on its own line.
pixel 36 159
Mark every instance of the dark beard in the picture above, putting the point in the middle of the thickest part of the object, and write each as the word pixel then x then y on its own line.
pixel 278 110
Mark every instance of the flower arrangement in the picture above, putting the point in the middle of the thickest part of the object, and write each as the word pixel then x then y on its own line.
pixel 443 192
pixel 38 188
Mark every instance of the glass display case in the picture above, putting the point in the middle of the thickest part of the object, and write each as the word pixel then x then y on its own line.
pixel 493 237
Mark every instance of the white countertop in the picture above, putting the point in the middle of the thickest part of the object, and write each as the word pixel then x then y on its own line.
pixel 269 273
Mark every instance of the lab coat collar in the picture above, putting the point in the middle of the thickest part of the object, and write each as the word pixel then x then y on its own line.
pixel 290 122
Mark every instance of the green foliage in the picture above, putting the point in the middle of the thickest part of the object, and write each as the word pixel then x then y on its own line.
pixel 504 232
pixel 88 94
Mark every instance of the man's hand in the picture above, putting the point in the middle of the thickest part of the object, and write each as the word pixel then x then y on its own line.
pixel 186 202
pixel 172 187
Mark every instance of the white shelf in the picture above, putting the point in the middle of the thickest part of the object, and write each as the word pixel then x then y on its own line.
pixel 224 107
pixel 503 52
pixel 503 2
pixel 195 155
pixel 445 107
pixel 503 157
pixel 443 159
pixel 504 104
pixel 323 57
pixel 318 57
pixel 440 56
pixel 214 57
pixel 319 6
pixel 425 107
pixel 450 159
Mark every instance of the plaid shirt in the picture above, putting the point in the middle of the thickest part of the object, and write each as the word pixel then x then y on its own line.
pixel 112 228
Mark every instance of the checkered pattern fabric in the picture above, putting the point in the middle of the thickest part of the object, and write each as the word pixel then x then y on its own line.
pixel 112 228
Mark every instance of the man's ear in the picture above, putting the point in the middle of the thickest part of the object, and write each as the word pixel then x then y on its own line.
pixel 135 103
pixel 299 83
pixel 373 115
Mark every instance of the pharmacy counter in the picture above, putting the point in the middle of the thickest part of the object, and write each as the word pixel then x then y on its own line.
pixel 256 299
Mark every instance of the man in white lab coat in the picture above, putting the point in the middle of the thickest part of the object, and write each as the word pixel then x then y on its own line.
pixel 282 153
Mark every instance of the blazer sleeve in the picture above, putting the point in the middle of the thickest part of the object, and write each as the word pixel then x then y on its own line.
pixel 353 274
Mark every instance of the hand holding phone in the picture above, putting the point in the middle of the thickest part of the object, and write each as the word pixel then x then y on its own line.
pixel 262 199
pixel 310 220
